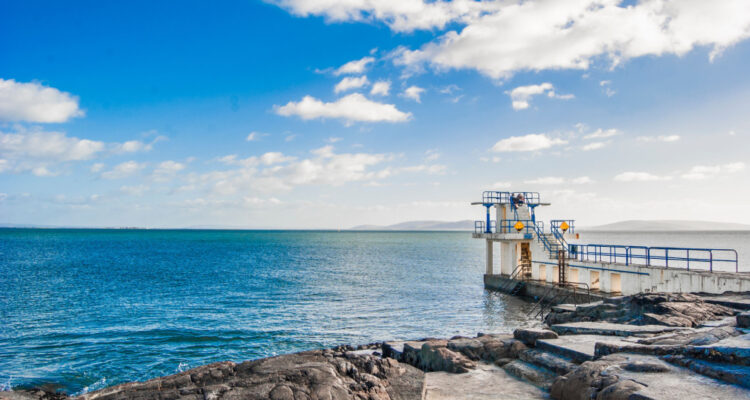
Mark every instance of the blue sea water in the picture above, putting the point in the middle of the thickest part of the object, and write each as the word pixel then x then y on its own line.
pixel 85 309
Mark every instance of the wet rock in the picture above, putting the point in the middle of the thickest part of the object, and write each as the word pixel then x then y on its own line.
pixel 471 348
pixel 530 373
pixel 530 336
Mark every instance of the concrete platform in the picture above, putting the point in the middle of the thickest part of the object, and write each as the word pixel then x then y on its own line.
pixel 486 382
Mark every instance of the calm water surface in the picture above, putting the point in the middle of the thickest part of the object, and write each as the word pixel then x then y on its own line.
pixel 86 309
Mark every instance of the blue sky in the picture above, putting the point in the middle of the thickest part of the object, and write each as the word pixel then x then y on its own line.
pixel 328 114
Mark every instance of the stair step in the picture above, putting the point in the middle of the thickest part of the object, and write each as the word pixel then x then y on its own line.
pixel 557 364
pixel 537 375
pixel 735 374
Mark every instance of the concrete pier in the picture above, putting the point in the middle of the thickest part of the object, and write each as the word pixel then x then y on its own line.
pixel 533 254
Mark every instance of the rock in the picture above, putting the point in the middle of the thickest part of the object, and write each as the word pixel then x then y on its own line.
pixel 435 356
pixel 471 348
pixel 621 390
pixel 338 374
pixel 743 320
pixel 530 336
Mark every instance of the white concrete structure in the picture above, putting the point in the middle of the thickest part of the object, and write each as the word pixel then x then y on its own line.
pixel 608 269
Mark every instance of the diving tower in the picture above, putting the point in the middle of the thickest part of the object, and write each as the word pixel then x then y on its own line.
pixel 532 255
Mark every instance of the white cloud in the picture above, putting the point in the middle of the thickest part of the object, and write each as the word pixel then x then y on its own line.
pixel 556 180
pixel 349 83
pixel 631 176
pixel 381 88
pixel 97 167
pixel 414 93
pixel 700 172
pixel 37 151
pixel 531 142
pixel 549 180
pixel 351 108
pixel 432 155
pixel 134 146
pixel 33 102
pixel 602 133
pixel 255 136
pixel 594 146
pixel 663 138
pixel 607 89
pixel 551 34
pixel 501 185
pixel 521 95
pixel 399 15
pixel 167 170
pixel 432 169
pixel 123 170
pixel 354 67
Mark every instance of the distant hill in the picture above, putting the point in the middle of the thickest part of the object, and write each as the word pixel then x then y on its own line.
pixel 465 225
pixel 668 225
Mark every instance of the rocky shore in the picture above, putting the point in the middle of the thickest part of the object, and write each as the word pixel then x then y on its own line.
pixel 647 346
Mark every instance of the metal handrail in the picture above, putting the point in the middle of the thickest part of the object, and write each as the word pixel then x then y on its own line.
pixel 657 256
pixel 496 197
pixel 555 224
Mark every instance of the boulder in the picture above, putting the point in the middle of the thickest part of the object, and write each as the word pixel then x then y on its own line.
pixel 530 336
pixel 435 356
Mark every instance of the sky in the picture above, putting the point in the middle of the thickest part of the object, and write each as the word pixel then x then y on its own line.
pixel 334 113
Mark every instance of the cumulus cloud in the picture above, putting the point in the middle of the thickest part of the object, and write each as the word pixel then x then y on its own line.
pixel 521 95
pixel 531 142
pixel 414 93
pixel 36 151
pixel 39 152
pixel 350 83
pixel 399 15
pixel 663 138
pixel 700 172
pixel 166 170
pixel 354 67
pixel 123 170
pixel 351 108
pixel 381 88
pixel 552 35
pixel 34 102
pixel 594 146
pixel 632 176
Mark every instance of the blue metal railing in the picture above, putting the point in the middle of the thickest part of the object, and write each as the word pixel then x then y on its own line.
pixel 495 197
pixel 668 257
pixel 555 225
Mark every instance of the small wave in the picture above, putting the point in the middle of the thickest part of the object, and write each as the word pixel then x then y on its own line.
pixel 7 385
pixel 182 367
pixel 100 384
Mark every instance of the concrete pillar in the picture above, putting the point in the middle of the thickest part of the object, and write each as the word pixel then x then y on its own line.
pixel 507 257
pixel 489 258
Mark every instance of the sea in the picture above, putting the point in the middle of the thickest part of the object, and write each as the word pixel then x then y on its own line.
pixel 85 309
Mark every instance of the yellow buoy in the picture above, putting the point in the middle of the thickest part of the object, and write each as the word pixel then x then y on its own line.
pixel 519 225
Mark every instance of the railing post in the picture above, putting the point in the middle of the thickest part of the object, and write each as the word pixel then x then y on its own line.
pixel 666 257
pixel 688 260
pixel 711 262
pixel 648 256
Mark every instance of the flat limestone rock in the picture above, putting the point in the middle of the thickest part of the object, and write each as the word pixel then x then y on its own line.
pixel 579 348
pixel 609 328
pixel 681 383
pixel 485 382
